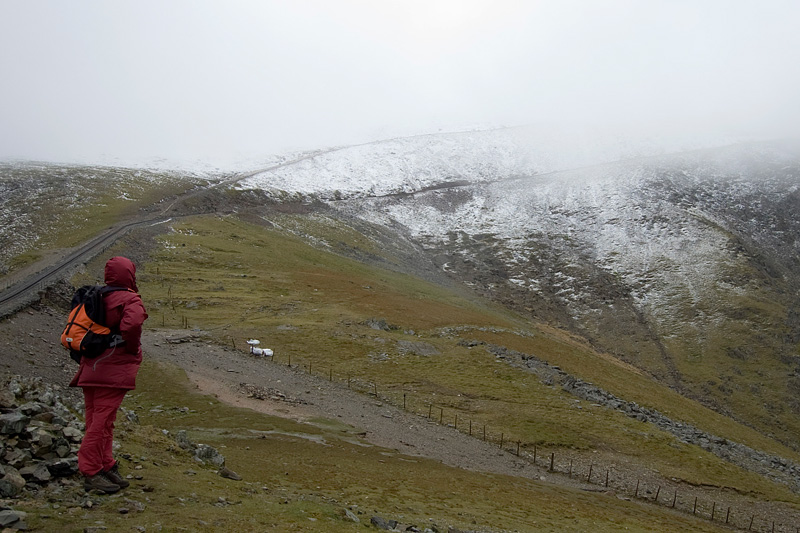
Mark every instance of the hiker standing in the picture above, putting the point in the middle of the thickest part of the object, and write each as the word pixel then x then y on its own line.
pixel 107 378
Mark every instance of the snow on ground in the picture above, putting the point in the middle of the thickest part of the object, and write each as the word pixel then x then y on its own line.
pixel 410 164
pixel 659 225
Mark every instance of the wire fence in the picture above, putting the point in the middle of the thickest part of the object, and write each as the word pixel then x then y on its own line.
pixel 596 474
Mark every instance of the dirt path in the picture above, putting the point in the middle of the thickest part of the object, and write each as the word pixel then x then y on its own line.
pixel 295 394
pixel 30 346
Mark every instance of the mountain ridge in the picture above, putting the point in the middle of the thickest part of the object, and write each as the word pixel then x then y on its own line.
pixel 651 259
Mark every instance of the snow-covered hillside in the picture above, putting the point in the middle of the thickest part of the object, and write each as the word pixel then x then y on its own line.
pixel 685 264
pixel 410 164
pixel 659 225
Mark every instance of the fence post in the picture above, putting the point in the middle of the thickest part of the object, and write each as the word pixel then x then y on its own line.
pixel 441 415
pixel 455 424
pixel 727 515
pixel 404 401
pixel 470 428
pixel 552 459
pixel 713 510
pixel 518 448
pixel 636 492
pixel 570 468
pixel 484 432
pixel 675 498
pixel 694 510
pixel 606 477
pixel 658 491
pixel 589 477
pixel 501 440
pixel 750 527
pixel 430 409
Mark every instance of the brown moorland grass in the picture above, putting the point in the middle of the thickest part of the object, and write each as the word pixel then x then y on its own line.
pixel 301 477
pixel 242 281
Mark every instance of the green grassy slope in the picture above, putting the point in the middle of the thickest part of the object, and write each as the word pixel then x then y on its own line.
pixel 243 281
pixel 54 207
pixel 301 477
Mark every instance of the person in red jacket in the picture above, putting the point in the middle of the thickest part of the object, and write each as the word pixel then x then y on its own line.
pixel 106 379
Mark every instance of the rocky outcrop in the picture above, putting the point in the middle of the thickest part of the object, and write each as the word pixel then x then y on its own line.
pixel 771 466
pixel 203 453
pixel 39 436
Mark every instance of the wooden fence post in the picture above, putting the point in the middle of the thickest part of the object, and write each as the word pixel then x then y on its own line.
pixel 658 491
pixel 404 401
pixel 589 477
pixel 713 510
pixel 636 492
pixel 501 440
pixel 606 477
pixel 750 527
pixel 518 442
pixel 694 510
pixel 727 515
pixel 455 424
pixel 552 459
pixel 470 428
pixel 675 498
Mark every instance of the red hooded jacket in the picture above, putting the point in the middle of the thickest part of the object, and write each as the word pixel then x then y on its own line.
pixel 117 367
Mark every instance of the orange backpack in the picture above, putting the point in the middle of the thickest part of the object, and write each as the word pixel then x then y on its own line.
pixel 86 334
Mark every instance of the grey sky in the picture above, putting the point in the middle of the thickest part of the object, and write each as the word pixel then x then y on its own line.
pixel 228 80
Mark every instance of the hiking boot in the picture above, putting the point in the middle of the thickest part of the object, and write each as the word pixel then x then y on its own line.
pixel 114 476
pixel 100 483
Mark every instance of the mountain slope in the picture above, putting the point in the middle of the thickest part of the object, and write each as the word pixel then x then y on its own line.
pixel 684 265
pixel 616 287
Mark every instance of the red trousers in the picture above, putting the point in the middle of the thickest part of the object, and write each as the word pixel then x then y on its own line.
pixel 101 411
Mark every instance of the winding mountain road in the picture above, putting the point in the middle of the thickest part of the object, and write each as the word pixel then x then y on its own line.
pixel 16 294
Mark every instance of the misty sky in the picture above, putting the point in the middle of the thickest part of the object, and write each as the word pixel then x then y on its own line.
pixel 223 81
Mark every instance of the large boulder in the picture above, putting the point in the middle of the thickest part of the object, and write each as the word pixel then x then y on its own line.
pixel 13 423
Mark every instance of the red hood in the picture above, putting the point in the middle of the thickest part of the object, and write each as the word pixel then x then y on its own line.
pixel 121 272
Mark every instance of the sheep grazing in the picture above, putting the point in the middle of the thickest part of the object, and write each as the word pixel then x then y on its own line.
pixel 261 352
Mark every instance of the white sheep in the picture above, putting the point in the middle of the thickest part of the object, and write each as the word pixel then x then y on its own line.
pixel 261 352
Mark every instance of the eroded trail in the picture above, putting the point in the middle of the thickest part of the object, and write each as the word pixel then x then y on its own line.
pixel 240 379
pixel 234 376
pixel 293 393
